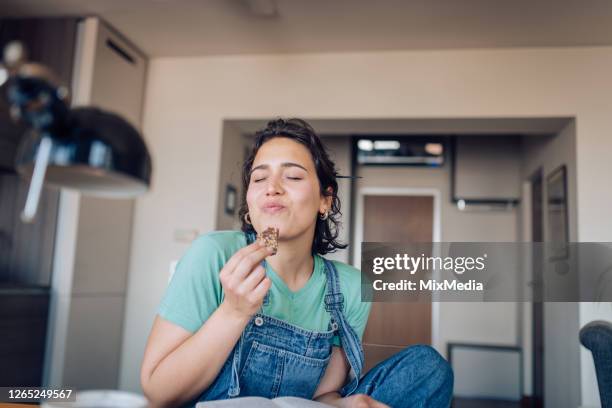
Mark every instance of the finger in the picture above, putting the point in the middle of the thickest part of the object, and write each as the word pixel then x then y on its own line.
pixel 235 260
pixel 361 401
pixel 249 262
pixel 253 279
pixel 378 404
pixel 262 288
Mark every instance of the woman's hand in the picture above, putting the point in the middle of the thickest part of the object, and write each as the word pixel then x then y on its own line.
pixel 359 401
pixel 244 281
pixel 171 349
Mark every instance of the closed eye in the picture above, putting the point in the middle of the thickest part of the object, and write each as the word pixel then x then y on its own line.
pixel 294 178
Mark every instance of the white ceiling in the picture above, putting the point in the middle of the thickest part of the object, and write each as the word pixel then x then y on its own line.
pixel 216 27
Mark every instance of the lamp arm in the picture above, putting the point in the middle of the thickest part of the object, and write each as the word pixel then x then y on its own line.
pixel 38 179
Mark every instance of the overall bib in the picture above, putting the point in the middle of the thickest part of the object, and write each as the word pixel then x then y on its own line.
pixel 274 358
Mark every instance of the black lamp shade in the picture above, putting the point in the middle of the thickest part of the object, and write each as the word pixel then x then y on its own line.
pixel 98 153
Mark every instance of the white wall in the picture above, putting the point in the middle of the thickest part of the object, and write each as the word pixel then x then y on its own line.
pixel 188 99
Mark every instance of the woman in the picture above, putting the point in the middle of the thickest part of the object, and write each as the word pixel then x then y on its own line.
pixel 239 321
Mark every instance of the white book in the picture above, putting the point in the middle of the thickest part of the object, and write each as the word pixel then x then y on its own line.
pixel 259 402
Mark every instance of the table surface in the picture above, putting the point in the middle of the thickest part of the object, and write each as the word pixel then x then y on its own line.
pixel 7 405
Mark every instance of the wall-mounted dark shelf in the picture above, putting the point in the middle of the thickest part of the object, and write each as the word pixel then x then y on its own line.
pixel 24 312
pixel 499 202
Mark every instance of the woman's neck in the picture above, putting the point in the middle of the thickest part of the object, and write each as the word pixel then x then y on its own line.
pixel 293 261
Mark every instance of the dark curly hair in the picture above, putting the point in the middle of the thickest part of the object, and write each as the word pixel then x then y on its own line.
pixel 326 231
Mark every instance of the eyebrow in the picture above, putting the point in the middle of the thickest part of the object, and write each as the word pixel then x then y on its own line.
pixel 284 165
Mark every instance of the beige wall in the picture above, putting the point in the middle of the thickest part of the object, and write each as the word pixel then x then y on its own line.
pixel 188 99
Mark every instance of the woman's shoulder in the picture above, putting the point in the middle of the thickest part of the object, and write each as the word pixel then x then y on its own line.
pixel 345 269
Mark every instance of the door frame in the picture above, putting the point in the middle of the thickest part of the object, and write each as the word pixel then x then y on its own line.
pixel 436 234
pixel 536 318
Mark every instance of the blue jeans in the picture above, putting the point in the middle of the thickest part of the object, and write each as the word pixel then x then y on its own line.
pixel 417 376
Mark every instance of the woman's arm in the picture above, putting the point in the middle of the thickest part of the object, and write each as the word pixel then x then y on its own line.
pixel 334 379
pixel 177 366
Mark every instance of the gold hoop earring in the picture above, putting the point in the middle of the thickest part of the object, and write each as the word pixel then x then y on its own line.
pixel 246 218
pixel 324 216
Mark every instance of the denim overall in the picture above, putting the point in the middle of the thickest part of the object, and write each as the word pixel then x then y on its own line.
pixel 274 358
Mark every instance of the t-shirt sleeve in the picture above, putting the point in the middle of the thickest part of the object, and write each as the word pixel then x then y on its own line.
pixel 194 292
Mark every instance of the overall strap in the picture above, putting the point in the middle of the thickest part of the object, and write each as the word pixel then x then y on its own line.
pixel 334 299
pixel 334 304
pixel 234 387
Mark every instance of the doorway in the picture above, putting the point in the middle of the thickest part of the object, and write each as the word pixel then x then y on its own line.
pixel 406 216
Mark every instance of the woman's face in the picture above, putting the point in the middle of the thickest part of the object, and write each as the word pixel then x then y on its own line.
pixel 284 189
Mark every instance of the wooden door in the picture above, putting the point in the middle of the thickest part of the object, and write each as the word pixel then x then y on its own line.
pixel 393 326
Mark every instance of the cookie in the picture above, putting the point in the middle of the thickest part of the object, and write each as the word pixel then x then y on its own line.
pixel 269 237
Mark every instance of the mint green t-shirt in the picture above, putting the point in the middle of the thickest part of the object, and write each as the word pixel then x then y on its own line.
pixel 195 291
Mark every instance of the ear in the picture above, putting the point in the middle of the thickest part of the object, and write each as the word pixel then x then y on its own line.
pixel 326 201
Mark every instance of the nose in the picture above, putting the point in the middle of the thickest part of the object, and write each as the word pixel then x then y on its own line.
pixel 274 186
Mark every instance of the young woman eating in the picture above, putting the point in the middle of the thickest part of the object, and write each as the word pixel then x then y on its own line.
pixel 241 318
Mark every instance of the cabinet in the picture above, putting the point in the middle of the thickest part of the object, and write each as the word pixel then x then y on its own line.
pixel 78 250
pixel 26 250
pixel 23 324
pixel 92 254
